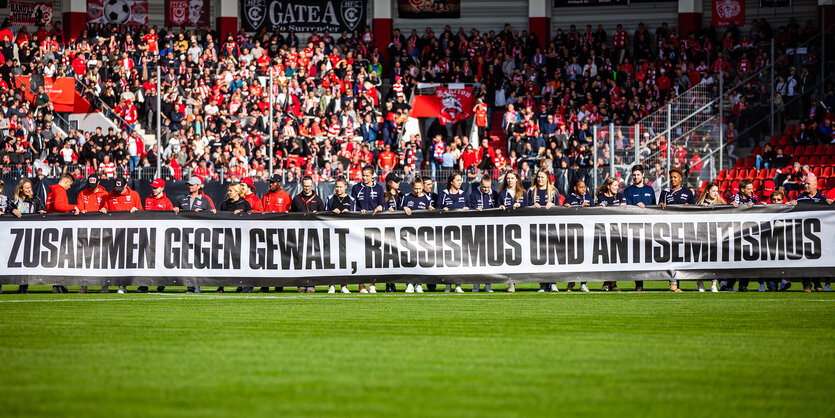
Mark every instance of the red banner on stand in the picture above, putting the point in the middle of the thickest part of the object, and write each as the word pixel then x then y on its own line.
pixel 726 12
pixel 454 105
pixel 61 92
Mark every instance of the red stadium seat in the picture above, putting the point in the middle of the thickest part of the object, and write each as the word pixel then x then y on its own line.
pixel 828 171
pixel 830 184
pixel 763 174
pixel 740 163
pixel 757 151
pixel 817 171
pixel 809 150
pixel 784 140
pixel 775 140
pixel 792 194
pixel 821 184
pixel 723 187
pixel 751 162
pixel 820 149
pixel 721 175
pixel 757 184
pixel 772 172
pixel 814 160
pixel 752 174
pixel 830 149
pixel 791 129
pixel 803 160
pixel 825 160
pixel 788 150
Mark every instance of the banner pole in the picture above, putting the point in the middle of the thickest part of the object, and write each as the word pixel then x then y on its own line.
pixel 669 142
pixel 612 150
pixel 722 121
pixel 594 158
pixel 159 123
pixel 637 145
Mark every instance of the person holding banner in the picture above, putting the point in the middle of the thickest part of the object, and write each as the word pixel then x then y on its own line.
pixel 158 201
pixel 308 202
pixel 511 194
pixel 642 195
pixel 427 189
pixel 578 197
pixel 710 197
pixel 392 201
pixel 249 190
pixel 91 199
pixel 340 202
pixel 56 200
pixel 417 199
pixel 676 194
pixel 484 197
pixel 543 194
pixel 453 198
pixel 608 195
pixel 24 202
pixel 121 199
pixel 811 195
pixel 276 200
pixel 196 201
pixel 368 194
pixel 236 203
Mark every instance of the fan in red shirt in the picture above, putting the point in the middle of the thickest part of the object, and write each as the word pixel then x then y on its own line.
pixel 158 200
pixel 91 199
pixel 386 160
pixel 56 200
pixel 250 195
pixel 122 198
pixel 276 199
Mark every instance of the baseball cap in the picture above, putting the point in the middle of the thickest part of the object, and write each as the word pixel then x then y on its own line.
pixel 275 178
pixel 120 184
pixel 195 181
pixel 393 177
pixel 734 187
pixel 158 183
pixel 248 181
pixel 92 181
pixel 768 188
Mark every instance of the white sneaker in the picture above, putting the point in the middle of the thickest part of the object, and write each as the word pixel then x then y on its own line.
pixel 345 289
pixel 762 287
pixel 448 289
pixel 488 288
pixel 419 289
pixel 714 289
pixel 363 290
pixel 553 287
pixel 541 290
pixel 122 290
pixel 701 285
pixel 410 288
pixel 584 288
pixel 511 288
pixel 372 289
pixel 701 290
pixel 458 289
pixel 827 288
pixel 476 287
pixel 331 289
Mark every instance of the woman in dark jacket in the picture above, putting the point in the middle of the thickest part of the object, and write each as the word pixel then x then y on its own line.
pixel 236 203
pixel 23 202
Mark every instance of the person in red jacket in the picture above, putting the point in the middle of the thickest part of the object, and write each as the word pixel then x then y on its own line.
pixel 251 197
pixel 276 200
pixel 122 198
pixel 91 199
pixel 56 200
pixel 158 200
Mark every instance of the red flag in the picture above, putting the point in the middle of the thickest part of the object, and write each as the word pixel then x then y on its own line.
pixel 454 105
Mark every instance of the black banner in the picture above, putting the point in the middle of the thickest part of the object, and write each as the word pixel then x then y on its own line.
pixel 429 9
pixel 578 3
pixel 303 15
pixel 493 246
pixel 775 3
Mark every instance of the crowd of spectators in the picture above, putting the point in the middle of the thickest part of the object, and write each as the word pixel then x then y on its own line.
pixel 332 115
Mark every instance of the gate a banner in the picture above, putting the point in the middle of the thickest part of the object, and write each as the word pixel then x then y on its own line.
pixel 454 104
pixel 303 15
pixel 27 13
pixel 726 12
pixel 523 245
pixel 118 12
pixel 429 9
pixel 190 13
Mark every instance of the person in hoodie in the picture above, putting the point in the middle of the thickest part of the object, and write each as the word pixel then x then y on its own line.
pixel 158 201
pixel 236 203
pixel 453 198
pixel 91 199
pixel 307 201
pixel 121 199
pixel 368 194
pixel 609 195
pixel 417 199
pixel 24 202
pixel 57 202
pixel 392 201
pixel 253 199
pixel 484 197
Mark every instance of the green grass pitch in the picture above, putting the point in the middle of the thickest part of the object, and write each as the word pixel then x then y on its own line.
pixel 436 354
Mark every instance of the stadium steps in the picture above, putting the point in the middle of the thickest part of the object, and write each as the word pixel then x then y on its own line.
pixel 498 139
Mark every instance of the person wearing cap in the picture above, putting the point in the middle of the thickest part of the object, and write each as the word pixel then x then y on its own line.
pixel 56 200
pixel 158 201
pixel 121 199
pixel 195 201
pixel 276 200
pixel 676 194
pixel 368 194
pixel 91 199
pixel 250 196
pixel 341 202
